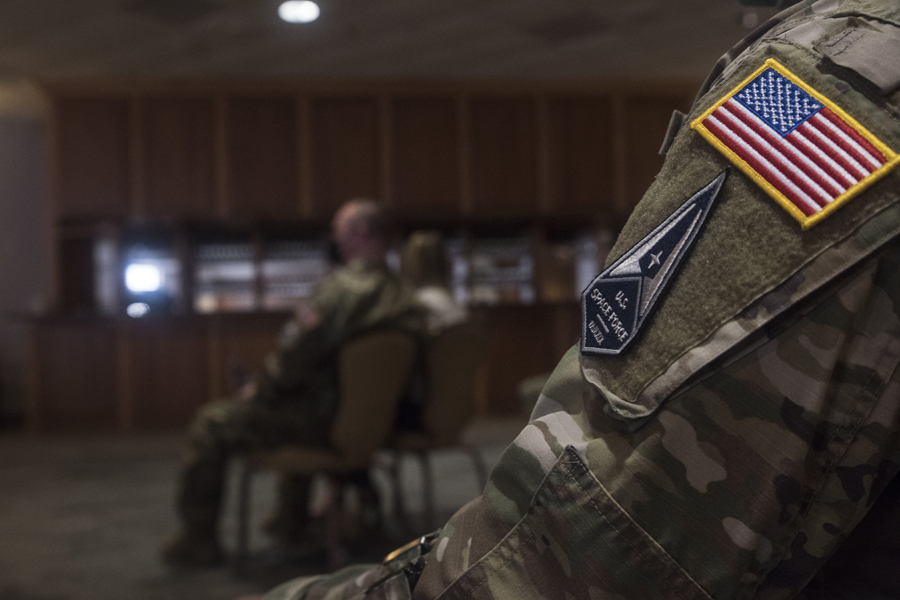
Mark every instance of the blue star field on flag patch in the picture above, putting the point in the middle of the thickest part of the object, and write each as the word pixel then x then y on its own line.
pixel 619 300
pixel 778 102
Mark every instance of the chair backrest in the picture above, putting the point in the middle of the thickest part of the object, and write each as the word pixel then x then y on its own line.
pixel 453 358
pixel 372 373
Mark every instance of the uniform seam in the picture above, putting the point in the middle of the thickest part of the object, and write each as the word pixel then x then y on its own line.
pixel 841 42
pixel 495 550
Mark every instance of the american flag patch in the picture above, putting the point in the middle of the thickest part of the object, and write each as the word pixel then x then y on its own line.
pixel 802 149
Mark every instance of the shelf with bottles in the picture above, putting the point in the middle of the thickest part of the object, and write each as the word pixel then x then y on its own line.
pixel 164 269
pixel 511 264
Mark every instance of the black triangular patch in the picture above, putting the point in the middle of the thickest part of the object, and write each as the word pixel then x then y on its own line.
pixel 618 301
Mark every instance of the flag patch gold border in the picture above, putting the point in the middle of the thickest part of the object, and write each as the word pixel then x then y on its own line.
pixel 806 222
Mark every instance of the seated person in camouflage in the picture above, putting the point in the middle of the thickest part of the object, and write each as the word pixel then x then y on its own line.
pixel 729 424
pixel 294 400
pixel 426 265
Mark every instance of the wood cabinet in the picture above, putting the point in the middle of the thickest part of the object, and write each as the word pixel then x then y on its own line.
pixel 73 374
pixel 115 374
pixel 504 157
pixel 345 152
pixel 580 166
pixel 521 341
pixel 176 174
pixel 230 154
pixel 92 152
pixel 263 158
pixel 425 168
pixel 108 373
pixel 643 127
pixel 164 371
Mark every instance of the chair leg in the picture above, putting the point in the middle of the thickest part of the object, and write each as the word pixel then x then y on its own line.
pixel 397 483
pixel 480 469
pixel 243 515
pixel 427 491
pixel 335 554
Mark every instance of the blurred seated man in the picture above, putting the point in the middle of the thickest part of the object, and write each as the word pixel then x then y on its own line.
pixel 729 424
pixel 426 265
pixel 293 401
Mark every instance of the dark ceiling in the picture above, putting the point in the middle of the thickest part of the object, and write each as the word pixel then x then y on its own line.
pixel 534 39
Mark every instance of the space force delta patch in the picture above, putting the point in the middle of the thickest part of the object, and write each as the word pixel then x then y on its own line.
pixel 803 150
pixel 618 300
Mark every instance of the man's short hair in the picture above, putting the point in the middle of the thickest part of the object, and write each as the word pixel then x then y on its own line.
pixel 373 215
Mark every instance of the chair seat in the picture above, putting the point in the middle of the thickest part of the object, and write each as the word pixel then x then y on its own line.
pixel 297 460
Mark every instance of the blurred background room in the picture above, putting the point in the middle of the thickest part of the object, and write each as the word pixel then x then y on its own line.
pixel 168 171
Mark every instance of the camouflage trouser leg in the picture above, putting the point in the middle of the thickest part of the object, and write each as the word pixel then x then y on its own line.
pixel 219 430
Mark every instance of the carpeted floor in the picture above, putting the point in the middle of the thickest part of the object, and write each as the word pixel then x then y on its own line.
pixel 81 518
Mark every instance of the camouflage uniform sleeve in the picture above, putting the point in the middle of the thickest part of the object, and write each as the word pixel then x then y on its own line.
pixel 747 431
pixel 303 341
pixel 755 419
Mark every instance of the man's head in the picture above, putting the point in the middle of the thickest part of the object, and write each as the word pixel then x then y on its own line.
pixel 360 230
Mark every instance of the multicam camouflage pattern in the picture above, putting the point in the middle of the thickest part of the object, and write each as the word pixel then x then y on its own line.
pixel 296 398
pixel 753 425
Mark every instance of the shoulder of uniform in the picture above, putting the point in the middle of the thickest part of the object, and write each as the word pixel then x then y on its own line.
pixel 784 180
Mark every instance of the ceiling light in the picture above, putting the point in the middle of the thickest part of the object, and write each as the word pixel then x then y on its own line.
pixel 295 11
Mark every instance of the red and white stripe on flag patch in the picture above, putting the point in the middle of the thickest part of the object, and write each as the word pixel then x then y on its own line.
pixel 802 149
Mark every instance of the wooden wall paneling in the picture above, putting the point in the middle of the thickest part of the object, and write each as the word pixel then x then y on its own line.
pixel 241 343
pixel 263 158
pixel 504 156
pixel 74 369
pixel 169 370
pixel 304 156
pixel 621 206
pixel 542 117
pixel 464 129
pixel 580 156
pixel 566 326
pixel 179 160
pixel 386 151
pixel 221 155
pixel 426 156
pixel 646 119
pixel 346 150
pixel 91 157
pixel 136 164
